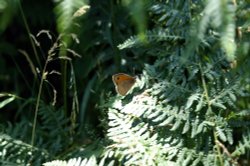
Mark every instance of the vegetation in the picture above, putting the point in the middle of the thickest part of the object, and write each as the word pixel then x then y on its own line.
pixel 189 105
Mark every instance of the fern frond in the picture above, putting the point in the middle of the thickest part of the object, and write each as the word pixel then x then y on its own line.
pixel 157 35
pixel 134 139
pixel 17 152
pixel 192 98
pixel 73 162
pixel 55 128
pixel 224 93
pixel 243 146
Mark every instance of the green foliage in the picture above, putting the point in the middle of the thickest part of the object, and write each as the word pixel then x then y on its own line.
pixel 8 100
pixel 65 14
pixel 151 36
pixel 7 10
pixel 182 115
pixel 138 12
pixel 189 106
pixel 243 145
pixel 16 152
pixel 221 15
pixel 75 161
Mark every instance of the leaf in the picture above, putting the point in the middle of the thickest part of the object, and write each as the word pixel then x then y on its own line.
pixel 194 127
pixel 200 104
pixel 167 121
pixel 191 99
pixel 186 127
pixel 232 96
pixel 200 128
pixel 65 10
pixel 73 161
pixel 176 125
pixel 243 145
pixel 217 104
pixel 229 136
pixel 6 101
pixel 221 134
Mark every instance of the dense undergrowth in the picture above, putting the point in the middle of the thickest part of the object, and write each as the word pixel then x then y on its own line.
pixel 189 105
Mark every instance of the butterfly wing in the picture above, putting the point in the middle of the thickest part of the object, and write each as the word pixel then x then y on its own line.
pixel 123 83
pixel 125 86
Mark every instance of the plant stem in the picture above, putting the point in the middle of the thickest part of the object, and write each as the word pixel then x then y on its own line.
pixel 38 101
pixel 218 148
pixel 205 90
pixel 210 111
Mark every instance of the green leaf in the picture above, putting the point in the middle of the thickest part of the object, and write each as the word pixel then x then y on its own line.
pixel 167 121
pixel 6 101
pixel 191 99
pixel 217 104
pixel 186 127
pixel 176 125
pixel 221 134
pixel 65 10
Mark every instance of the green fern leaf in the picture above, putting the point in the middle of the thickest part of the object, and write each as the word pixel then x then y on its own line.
pixel 74 162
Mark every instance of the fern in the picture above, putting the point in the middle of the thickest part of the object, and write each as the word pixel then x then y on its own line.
pixel 146 124
pixel 243 146
pixel 133 143
pixel 188 107
pixel 74 162
pixel 182 112
pixel 221 14
pixel 151 36
pixel 16 152
pixel 55 128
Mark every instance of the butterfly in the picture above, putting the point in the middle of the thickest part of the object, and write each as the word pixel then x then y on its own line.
pixel 123 83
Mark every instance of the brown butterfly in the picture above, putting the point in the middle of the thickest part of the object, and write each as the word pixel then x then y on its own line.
pixel 123 83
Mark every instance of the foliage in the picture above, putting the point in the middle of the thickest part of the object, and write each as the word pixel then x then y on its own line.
pixel 189 105
pixel 16 152
pixel 74 161
pixel 7 10
pixel 183 115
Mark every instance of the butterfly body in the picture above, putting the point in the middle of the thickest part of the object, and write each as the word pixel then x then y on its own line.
pixel 123 83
